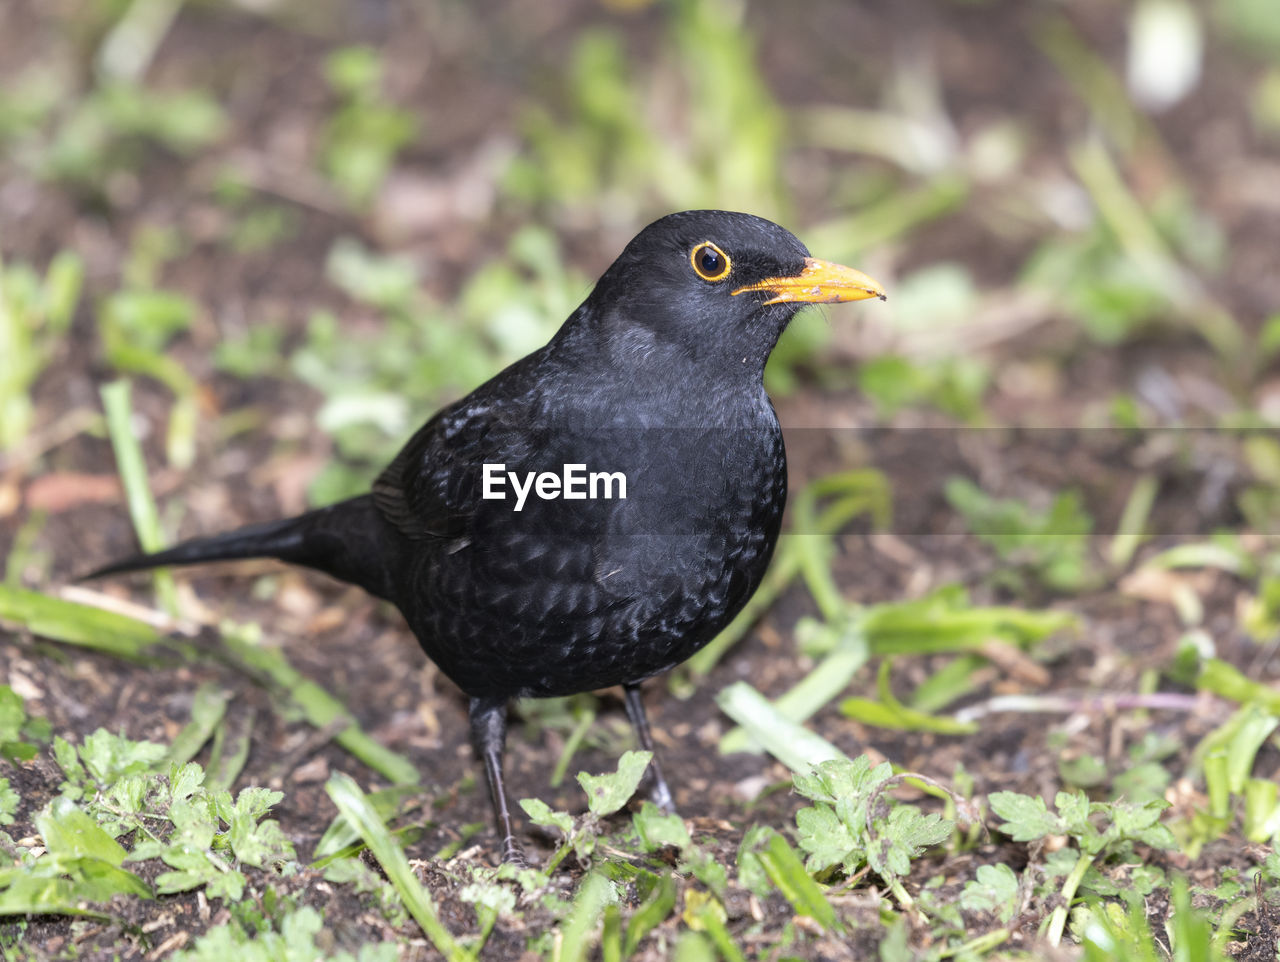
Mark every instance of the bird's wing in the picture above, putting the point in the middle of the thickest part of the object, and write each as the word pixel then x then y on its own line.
pixel 401 500
pixel 432 488
pixel 417 490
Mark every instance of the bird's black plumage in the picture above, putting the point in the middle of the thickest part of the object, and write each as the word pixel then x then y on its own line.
pixel 657 377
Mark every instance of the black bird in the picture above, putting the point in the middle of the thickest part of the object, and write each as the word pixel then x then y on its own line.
pixel 664 480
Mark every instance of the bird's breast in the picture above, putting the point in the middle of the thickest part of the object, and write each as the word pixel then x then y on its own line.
pixel 555 593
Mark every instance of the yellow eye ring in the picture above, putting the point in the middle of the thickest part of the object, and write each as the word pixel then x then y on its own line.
pixel 710 262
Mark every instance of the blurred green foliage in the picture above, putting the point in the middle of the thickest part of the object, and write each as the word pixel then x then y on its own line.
pixel 1120 275
pixel 954 386
pixel 380 386
pixel 136 325
pixel 364 134
pixel 1082 217
pixel 85 140
pixel 698 127
pixel 621 135
pixel 1260 501
pixel 1048 546
pixel 35 315
pixel 1252 23
pixel 258 224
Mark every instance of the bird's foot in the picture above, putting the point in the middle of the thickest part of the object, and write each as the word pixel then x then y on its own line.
pixel 513 854
pixel 660 794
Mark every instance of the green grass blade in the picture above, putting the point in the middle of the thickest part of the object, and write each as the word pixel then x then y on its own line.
pixel 1226 680
pixel 711 916
pixel 207 710
pixel 322 709
pixel 355 807
pixel 611 935
pixel 341 833
pixel 1130 531
pixel 77 624
pixel 1127 218
pixel 651 914
pixel 844 238
pixel 576 936
pixel 831 676
pixel 949 683
pixel 24 550
pixel 888 712
pixel 1094 83
pixel 230 751
pixel 931 627
pixel 851 493
pixel 586 718
pixel 1229 557
pixel 694 947
pixel 787 872
pixel 133 476
pixel 318 707
pixel 792 744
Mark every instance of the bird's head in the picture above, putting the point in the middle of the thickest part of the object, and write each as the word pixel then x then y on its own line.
pixel 714 283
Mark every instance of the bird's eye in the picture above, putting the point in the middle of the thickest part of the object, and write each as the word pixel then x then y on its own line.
pixel 709 262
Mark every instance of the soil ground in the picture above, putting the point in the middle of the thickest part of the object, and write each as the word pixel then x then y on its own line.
pixel 465 72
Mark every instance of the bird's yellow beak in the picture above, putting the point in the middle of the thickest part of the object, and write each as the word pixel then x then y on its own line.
pixel 821 282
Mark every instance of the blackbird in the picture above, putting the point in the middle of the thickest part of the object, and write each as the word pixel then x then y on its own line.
pixel 598 511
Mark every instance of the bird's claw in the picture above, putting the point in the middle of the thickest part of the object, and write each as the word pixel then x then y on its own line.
pixel 660 795
pixel 513 854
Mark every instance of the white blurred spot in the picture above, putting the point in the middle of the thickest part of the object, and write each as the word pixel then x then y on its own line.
pixel 1166 46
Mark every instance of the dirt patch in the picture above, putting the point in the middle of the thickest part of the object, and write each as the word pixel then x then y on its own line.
pixel 465 73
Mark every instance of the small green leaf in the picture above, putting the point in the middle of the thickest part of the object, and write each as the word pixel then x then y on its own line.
pixel 608 793
pixel 185 780
pixel 110 757
pixel 70 833
pixel 1049 544
pixel 906 834
pixel 658 830
pixel 228 886
pixel 194 868
pixel 889 712
pixel 260 845
pixel 827 840
pixel 842 778
pixel 1026 818
pixel 1084 771
pixel 1074 810
pixel 12 714
pixel 9 802
pixel 995 890
pixel 540 813
pixel 36 895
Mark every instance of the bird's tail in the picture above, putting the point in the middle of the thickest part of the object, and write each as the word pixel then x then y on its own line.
pixel 349 540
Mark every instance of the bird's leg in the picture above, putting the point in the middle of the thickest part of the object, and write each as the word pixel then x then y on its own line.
pixel 488 735
pixel 658 790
